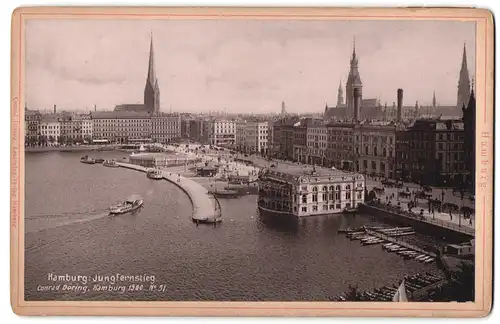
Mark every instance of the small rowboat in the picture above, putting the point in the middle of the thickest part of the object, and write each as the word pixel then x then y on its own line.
pixel 87 160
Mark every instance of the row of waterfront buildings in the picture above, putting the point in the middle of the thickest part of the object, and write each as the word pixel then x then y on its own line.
pixel 360 135
pixel 434 150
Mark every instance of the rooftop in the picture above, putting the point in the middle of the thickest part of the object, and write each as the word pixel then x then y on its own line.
pixel 295 169
pixel 118 114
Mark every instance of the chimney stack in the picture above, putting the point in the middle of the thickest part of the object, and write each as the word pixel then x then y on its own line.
pixel 54 109
pixel 356 104
pixel 95 107
pixel 400 105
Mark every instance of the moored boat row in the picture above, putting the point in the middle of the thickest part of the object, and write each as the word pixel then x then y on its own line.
pixel 408 253
pixel 414 283
pixel 377 235
pixel 110 163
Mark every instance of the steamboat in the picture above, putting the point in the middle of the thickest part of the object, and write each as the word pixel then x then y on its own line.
pixel 298 191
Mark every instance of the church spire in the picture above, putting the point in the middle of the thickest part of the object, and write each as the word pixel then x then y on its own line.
pixel 340 95
pixel 463 82
pixel 354 60
pixel 151 65
pixel 464 58
pixel 434 99
pixel 152 89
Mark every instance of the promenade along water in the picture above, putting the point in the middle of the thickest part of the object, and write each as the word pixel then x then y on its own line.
pixel 247 257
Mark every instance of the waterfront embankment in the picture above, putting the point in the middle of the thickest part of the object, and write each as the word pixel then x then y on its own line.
pixel 204 204
pixel 80 148
pixel 430 226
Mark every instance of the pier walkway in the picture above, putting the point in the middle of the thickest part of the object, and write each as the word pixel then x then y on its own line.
pixel 204 204
pixel 399 242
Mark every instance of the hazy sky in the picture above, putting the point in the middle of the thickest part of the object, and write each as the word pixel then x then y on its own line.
pixel 241 65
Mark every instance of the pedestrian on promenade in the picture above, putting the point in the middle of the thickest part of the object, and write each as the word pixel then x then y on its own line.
pixel 451 216
pixel 470 221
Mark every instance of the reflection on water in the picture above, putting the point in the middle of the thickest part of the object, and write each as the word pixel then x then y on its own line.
pixel 247 257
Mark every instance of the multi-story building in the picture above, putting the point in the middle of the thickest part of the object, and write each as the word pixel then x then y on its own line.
pixel 196 131
pixel 374 148
pixel 450 153
pixel 50 130
pixel 70 130
pixel 240 137
pixel 83 128
pixel 431 151
pixel 252 137
pixel 283 138
pixel 32 120
pixel 469 118
pixel 222 132
pixel 298 190
pixel 340 146
pixel 165 128
pixel 317 142
pixel 185 127
pixel 121 126
pixel 300 143
pixel 402 151
pixel 256 137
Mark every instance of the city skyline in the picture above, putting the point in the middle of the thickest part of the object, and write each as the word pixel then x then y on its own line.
pixel 217 65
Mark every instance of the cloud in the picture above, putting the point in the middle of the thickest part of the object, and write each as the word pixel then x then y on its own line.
pixel 243 65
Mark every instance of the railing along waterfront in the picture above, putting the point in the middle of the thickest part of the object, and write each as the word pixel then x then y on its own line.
pixel 461 229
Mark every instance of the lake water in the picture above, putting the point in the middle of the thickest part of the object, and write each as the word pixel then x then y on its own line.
pixel 247 257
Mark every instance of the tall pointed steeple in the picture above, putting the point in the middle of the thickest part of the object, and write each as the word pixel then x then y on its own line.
pixel 340 95
pixel 151 64
pixel 353 82
pixel 283 108
pixel 354 59
pixel 152 89
pixel 463 82
pixel 434 100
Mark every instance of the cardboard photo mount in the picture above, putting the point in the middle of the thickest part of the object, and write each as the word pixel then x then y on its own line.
pixel 484 85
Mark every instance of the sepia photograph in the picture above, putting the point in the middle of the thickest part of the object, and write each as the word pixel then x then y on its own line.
pixel 184 159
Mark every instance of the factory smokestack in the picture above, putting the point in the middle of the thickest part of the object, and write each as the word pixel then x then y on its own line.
pixel 400 105
pixel 54 109
pixel 356 104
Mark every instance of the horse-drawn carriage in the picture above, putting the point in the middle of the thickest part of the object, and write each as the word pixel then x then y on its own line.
pixel 426 188
pixel 450 207
pixel 388 183
pixel 422 195
pixel 403 194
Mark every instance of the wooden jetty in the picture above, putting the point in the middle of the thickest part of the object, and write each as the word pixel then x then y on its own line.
pixel 400 243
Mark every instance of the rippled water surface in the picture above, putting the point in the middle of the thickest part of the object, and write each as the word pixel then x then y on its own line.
pixel 247 257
